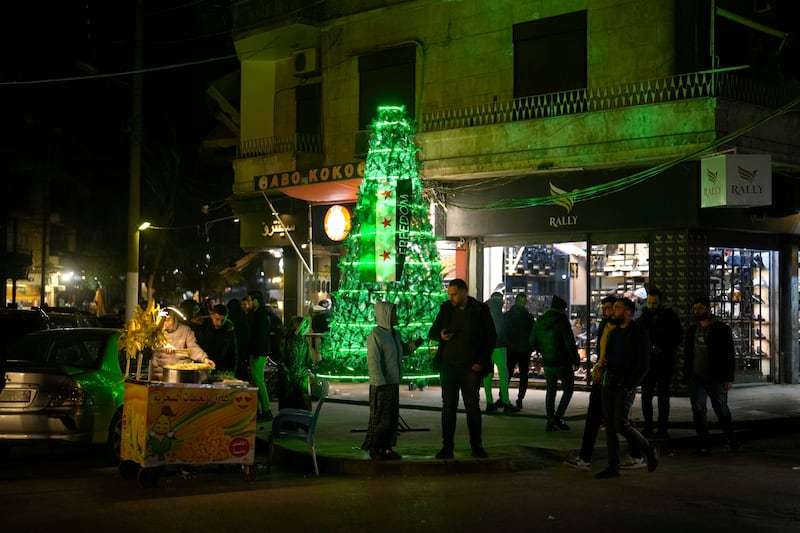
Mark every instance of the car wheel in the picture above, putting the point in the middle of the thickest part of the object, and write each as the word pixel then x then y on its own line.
pixel 128 470
pixel 115 436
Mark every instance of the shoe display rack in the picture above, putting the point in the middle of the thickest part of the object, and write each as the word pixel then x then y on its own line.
pixel 739 294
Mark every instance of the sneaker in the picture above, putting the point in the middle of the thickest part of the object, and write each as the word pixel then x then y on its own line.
pixel 391 455
pixel 632 463
pixel 491 407
pixel 445 453
pixel 652 458
pixel 577 463
pixel 560 424
pixel 606 473
pixel 508 409
pixel 479 453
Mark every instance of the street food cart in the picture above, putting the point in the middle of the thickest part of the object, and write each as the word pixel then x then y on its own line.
pixel 174 423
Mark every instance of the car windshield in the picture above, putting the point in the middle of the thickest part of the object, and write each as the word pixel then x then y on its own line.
pixel 70 351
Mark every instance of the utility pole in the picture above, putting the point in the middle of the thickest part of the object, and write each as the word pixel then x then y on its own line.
pixel 134 199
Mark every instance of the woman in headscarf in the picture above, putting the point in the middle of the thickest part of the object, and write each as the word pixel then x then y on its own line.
pixel 294 365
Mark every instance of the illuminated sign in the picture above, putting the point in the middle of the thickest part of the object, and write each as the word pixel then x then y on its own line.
pixel 310 177
pixel 337 223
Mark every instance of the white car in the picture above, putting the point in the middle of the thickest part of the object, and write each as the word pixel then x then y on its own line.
pixel 64 385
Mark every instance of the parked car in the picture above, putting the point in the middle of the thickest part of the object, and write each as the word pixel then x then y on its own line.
pixel 63 385
pixel 69 317
pixel 14 323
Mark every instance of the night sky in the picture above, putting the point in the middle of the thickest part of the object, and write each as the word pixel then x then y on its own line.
pixel 75 132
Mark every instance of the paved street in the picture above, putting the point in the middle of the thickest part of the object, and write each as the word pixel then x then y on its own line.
pixel 756 489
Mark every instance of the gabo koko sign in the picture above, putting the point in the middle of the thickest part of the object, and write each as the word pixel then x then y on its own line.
pixel 309 177
pixel 736 180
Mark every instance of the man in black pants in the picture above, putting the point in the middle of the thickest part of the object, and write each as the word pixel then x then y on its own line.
pixel 709 364
pixel 466 335
pixel 594 413
pixel 627 359
pixel 519 323
pixel 666 333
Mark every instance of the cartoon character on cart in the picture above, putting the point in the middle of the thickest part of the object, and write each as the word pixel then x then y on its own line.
pixel 161 434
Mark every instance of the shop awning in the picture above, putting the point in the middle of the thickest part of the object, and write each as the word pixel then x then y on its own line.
pixel 240 263
pixel 335 192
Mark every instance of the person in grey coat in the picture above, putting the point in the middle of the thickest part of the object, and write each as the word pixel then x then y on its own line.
pixel 385 350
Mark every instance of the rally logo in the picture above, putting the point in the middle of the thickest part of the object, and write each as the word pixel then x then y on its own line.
pixel 567 203
pixel 747 176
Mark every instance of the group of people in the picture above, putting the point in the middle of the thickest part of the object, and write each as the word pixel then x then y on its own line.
pixel 474 336
pixel 238 338
pixel 642 352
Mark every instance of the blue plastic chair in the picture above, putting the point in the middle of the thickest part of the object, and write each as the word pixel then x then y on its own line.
pixel 302 422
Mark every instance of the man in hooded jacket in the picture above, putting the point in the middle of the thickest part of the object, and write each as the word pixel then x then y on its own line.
pixel 552 337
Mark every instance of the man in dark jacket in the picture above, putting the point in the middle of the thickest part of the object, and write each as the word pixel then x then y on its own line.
pixel 627 359
pixel 519 324
pixel 218 339
pixel 552 337
pixel 666 333
pixel 466 335
pixel 260 327
pixel 709 364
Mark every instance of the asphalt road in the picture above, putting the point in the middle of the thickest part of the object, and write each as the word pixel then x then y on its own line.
pixel 72 490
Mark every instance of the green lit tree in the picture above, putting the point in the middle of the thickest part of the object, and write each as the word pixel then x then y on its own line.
pixel 391 255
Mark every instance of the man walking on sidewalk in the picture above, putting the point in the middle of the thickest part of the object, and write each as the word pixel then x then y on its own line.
pixel 627 360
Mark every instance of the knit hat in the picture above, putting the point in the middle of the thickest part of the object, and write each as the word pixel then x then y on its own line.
pixel 559 304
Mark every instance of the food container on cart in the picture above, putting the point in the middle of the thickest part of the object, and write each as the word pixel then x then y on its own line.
pixel 186 423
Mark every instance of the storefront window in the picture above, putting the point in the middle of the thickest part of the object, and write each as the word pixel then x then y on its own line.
pixel 740 296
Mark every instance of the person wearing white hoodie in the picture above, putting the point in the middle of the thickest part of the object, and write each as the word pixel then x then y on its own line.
pixel 385 350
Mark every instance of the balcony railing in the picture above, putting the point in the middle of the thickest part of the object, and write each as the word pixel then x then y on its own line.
pixel 297 143
pixel 674 88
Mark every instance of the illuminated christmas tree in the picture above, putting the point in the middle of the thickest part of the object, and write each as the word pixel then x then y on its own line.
pixel 391 256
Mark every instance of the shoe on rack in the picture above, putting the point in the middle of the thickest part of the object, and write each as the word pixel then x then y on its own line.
pixel 479 453
pixel 445 453
pixel 508 409
pixel 560 424
pixel 577 463
pixel 652 458
pixel 606 473
pixel 633 463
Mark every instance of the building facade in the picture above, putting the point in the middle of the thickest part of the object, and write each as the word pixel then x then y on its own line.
pixel 578 148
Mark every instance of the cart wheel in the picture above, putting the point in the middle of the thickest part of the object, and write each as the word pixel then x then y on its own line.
pixel 148 477
pixel 249 472
pixel 128 470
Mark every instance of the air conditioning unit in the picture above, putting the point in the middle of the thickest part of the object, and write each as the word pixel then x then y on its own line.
pixel 305 62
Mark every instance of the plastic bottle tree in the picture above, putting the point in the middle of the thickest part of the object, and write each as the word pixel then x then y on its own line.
pixel 391 255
